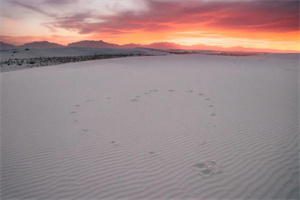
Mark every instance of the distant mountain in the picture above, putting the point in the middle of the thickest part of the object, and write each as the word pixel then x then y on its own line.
pixel 158 45
pixel 5 46
pixel 102 44
pixel 93 44
pixel 40 45
pixel 130 46
pixel 164 45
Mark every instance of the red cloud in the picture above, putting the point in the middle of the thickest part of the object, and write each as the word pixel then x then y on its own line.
pixel 257 15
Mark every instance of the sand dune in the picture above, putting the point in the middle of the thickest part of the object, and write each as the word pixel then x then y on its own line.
pixel 11 60
pixel 165 127
pixel 70 51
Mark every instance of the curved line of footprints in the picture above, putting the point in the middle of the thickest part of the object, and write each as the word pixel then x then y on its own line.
pixel 205 168
pixel 137 98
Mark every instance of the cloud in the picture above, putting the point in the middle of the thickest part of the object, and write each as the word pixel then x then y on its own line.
pixel 155 20
pixel 266 16
pixel 163 15
pixel 60 2
pixel 28 10
pixel 275 16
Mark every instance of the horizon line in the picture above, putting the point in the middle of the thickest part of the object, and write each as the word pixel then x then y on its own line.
pixel 179 46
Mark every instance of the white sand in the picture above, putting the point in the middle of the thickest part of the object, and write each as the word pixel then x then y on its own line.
pixel 26 59
pixel 71 51
pixel 180 127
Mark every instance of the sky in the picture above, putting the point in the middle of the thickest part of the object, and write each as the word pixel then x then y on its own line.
pixel 266 24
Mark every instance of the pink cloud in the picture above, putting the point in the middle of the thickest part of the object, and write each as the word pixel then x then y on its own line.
pixel 268 16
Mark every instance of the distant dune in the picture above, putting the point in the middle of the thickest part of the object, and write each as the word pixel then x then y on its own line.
pixel 29 58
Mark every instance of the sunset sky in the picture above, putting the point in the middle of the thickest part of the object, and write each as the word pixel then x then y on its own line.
pixel 272 24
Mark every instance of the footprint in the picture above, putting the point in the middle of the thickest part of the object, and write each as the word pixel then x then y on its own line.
pixel 77 105
pixel 207 99
pixel 137 96
pixel 115 144
pixel 73 112
pixel 215 168
pixel 213 114
pixel 146 93
pixel 207 168
pixel 201 94
pixel 171 90
pixel 134 100
pixel 85 130
pixel 152 153
pixel 211 105
pixel 189 90
pixel 89 100
pixel 206 172
pixel 200 166
pixel 108 98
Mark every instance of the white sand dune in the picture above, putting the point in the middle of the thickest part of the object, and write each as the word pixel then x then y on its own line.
pixel 166 127
pixel 71 51
pixel 12 60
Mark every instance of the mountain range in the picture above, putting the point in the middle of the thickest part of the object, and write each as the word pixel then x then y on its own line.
pixel 102 44
pixel 31 45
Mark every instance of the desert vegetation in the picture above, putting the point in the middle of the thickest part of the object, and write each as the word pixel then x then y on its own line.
pixel 47 61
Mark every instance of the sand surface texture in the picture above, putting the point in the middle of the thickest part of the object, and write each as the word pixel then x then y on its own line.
pixel 159 127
